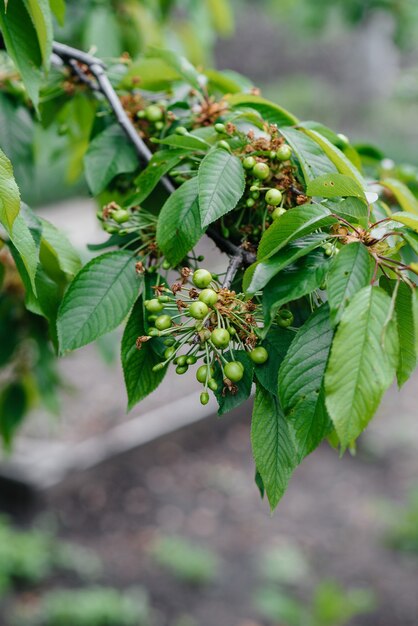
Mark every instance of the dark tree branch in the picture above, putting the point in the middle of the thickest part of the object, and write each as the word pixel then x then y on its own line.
pixel 97 80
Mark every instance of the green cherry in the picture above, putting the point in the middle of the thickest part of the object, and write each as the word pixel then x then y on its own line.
pixel 224 145
pixel 261 171
pixel 153 306
pixel 121 215
pixel 204 397
pixel 181 369
pixel 202 278
pixel 208 296
pixel 259 355
pixel 198 310
pixel 284 153
pixel 204 372
pixel 273 197
pixel 233 371
pixel 285 318
pixel 220 128
pixel 278 212
pixel 220 338
pixel 212 384
pixel 169 352
pixel 153 113
pixel 191 360
pixel 249 162
pixel 163 322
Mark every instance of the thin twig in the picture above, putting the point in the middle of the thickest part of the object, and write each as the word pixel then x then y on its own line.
pixel 72 57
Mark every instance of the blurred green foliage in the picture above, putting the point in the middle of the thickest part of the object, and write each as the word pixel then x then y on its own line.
pixel 185 561
pixel 403 532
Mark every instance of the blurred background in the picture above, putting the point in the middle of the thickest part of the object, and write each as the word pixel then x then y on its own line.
pixel 153 519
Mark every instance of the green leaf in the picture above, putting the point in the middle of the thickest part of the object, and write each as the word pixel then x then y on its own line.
pixel 228 401
pixel 403 195
pixel 181 65
pixel 28 249
pixel 178 228
pixel 58 9
pixel 221 185
pixel 137 365
pixel 338 158
pixel 40 14
pixel 350 271
pixel 295 281
pixel 301 378
pixel 352 209
pixel 108 155
pixel 272 445
pixel 59 247
pixel 313 161
pixel 334 186
pixel 260 273
pixel 276 342
pixel 408 219
pixel 293 224
pixel 270 112
pixel 102 31
pixel 363 362
pixel 9 194
pixel 161 163
pixel 187 142
pixel 406 308
pixel 22 45
pixel 98 299
pixel 13 406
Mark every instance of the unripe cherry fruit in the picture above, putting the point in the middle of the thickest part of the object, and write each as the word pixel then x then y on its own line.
pixel 181 130
pixel 259 355
pixel 208 296
pixel 168 353
pixel 191 360
pixel 285 318
pixel 212 384
pixel 224 145
pixel 198 310
pixel 153 306
pixel 181 369
pixel 202 278
pixel 121 215
pixel 153 113
pixel 284 153
pixel 163 322
pixel 220 128
pixel 261 171
pixel 204 398
pixel 273 197
pixel 278 212
pixel 249 162
pixel 220 338
pixel 204 372
pixel 233 371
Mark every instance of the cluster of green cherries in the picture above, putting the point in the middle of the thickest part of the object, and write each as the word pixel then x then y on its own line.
pixel 207 324
pixel 261 172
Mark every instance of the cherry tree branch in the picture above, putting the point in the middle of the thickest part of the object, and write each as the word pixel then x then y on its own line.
pixel 92 72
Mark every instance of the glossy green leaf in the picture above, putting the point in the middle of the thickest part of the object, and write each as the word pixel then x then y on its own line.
pixel 406 308
pixel 276 342
pixel 59 246
pixel 403 195
pixel 178 228
pixel 313 161
pixel 9 194
pixel 23 240
pixel 188 142
pixel 98 299
pixel 161 163
pixel 363 362
pixel 137 364
pixel 293 224
pixel 301 378
pixel 297 280
pixel 221 185
pixel 338 158
pixel 181 65
pixel 108 155
pixel 261 272
pixel 272 444
pixel 271 112
pixel 22 45
pixel 58 9
pixel 350 271
pixel 40 14
pixel 408 219
pixel 334 186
